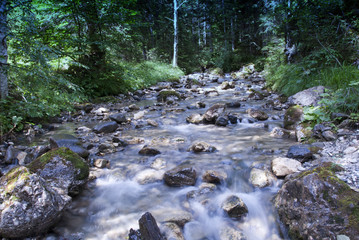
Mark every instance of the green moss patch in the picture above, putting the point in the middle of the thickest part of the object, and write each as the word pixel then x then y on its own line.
pixel 13 176
pixel 65 154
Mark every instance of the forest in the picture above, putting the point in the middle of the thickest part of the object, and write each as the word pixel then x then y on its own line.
pixel 55 53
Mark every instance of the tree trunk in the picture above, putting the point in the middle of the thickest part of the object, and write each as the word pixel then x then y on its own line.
pixel 3 50
pixel 175 35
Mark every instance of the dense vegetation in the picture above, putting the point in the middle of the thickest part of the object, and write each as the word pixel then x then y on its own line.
pixel 55 53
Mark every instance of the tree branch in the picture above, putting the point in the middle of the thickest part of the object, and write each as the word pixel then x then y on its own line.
pixel 181 4
pixel 17 5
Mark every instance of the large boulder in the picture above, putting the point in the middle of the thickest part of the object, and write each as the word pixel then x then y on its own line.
pixel 282 166
pixel 308 97
pixel 181 176
pixel 62 169
pixel 29 205
pixel 234 207
pixel 106 127
pixel 315 204
pixel 211 115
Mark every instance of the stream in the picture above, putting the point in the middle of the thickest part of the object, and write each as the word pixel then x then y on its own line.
pixel 113 203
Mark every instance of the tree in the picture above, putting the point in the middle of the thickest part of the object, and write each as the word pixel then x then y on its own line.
pixel 3 50
pixel 176 6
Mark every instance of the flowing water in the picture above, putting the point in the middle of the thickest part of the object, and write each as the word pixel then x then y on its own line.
pixel 115 201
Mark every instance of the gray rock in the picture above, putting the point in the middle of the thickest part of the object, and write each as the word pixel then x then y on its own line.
pixel 195 118
pixel 293 116
pixel 181 176
pixel 280 133
pixel 234 207
pixel 101 163
pixel 10 154
pixel 235 104
pixel 260 178
pixel 172 231
pixel 149 151
pixel 212 176
pixel 214 112
pixel 119 118
pixel 148 228
pixel 177 216
pixel 29 205
pixel 308 97
pixel 257 114
pixel 329 135
pixel 106 127
pixel 198 147
pixel 300 152
pixel 282 167
pixel 221 121
pixel 232 119
pixel 69 141
pixel 230 233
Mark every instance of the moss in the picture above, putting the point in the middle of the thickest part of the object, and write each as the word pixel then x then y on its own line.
pixel 13 176
pixel 65 154
pixel 163 95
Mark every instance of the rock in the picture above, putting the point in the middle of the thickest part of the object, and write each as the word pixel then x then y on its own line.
pixel 172 231
pixel 119 118
pixel 221 121
pixel 133 107
pixel 230 233
pixel 29 205
pixel 201 147
pixel 10 154
pixel 69 141
pixel 181 176
pixel 227 85
pixel 232 119
pixel 257 114
pixel 39 150
pixel 300 152
pixel 195 118
pixel 170 215
pixel 152 123
pixel 200 105
pixel 166 93
pixel 308 97
pixel 293 116
pixel 139 115
pixel 329 135
pixel 148 228
pixel 282 167
pixel 256 95
pixel 134 235
pixel 149 176
pixel 106 127
pixel 234 207
pixel 315 204
pixel 159 163
pixel 101 163
pixel 202 193
pixel 280 133
pixel 214 112
pixel 100 111
pixel 86 107
pixel 22 158
pixel 235 104
pixel 62 169
pixel 149 151
pixel 216 177
pixel 303 132
pixel 260 178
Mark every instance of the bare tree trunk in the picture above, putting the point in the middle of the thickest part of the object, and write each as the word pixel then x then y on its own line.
pixel 4 91
pixel 175 34
pixel 204 33
pixel 232 33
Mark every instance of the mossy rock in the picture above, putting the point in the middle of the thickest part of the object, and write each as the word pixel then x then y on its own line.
pixel 317 203
pixel 10 179
pixel 293 116
pixel 65 154
pixel 164 94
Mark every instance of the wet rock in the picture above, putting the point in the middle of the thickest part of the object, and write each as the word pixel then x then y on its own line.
pixel 159 163
pixel 29 205
pixel 214 112
pixel 292 117
pixel 133 107
pixel 106 127
pixel 149 151
pixel 181 176
pixel 308 97
pixel 257 114
pixel 69 141
pixel 172 231
pixel 149 176
pixel 300 152
pixel 234 207
pixel 62 169
pixel 260 178
pixel 100 111
pixel 232 119
pixel 201 147
pixel 10 154
pixel 152 123
pixel 230 233
pixel 163 95
pixel 119 118
pixel 256 95
pixel 282 167
pixel 139 115
pixel 221 121
pixel 148 228
pixel 227 85
pixel 212 176
pixel 195 118
pixel 315 204
pixel 202 193
pixel 280 133
pixel 170 215
pixel 101 163
pixel 235 104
